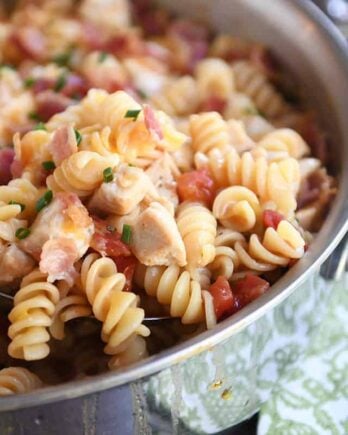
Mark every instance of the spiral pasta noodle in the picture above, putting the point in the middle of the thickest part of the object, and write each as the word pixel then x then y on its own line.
pixel 277 248
pixel 68 308
pixel 116 309
pixel 34 307
pixel 178 98
pixel 226 259
pixel 81 173
pixel 8 222
pixel 285 141
pixel 214 78
pixel 174 287
pixel 197 227
pixel 253 83
pixel 18 380
pixel 276 182
pixel 209 131
pixel 23 192
pixel 238 208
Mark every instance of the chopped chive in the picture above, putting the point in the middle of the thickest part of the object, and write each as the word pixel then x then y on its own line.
pixel 29 82
pixel 126 234
pixel 48 165
pixel 40 126
pixel 34 116
pixel 132 114
pixel 250 111
pixel 102 56
pixel 110 228
pixel 262 114
pixel 22 206
pixel 44 200
pixel 78 136
pixel 108 175
pixel 22 233
pixel 62 59
pixel 7 65
pixel 60 83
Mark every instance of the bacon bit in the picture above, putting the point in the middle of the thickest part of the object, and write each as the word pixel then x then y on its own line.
pixel 42 84
pixel 49 103
pixel 75 86
pixel 272 218
pixel 311 188
pixel 16 168
pixel 213 104
pixel 126 265
pixel 152 123
pixel 225 303
pixel 248 289
pixel 57 259
pixel 106 242
pixel 125 45
pixel 154 22
pixel 92 36
pixel 7 156
pixel 188 31
pixel 30 42
pixel 63 144
pixel 196 186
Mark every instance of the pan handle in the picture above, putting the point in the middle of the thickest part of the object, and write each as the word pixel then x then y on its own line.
pixel 335 265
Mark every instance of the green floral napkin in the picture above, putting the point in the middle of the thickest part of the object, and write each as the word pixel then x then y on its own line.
pixel 312 394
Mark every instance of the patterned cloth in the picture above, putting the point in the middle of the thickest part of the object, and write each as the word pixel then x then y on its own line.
pixel 312 394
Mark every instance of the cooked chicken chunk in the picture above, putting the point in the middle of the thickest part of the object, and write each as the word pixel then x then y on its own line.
pixel 162 173
pixel 14 263
pixel 122 195
pixel 156 239
pixel 59 236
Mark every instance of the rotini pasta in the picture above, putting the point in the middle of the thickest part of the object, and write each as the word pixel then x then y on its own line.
pixel 237 208
pixel 277 248
pixel 209 131
pixel 197 227
pixel 17 380
pixel 81 173
pixel 275 182
pixel 34 307
pixel 214 78
pixel 174 288
pixel 254 84
pixel 285 141
pixel 118 310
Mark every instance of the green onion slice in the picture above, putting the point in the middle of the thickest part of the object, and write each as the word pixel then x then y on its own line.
pixel 102 56
pixel 78 136
pixel 22 233
pixel 44 200
pixel 108 175
pixel 48 165
pixel 132 114
pixel 60 83
pixel 126 234
pixel 40 126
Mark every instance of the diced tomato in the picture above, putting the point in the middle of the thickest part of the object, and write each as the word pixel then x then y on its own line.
pixel 107 241
pixel 224 301
pixel 49 103
pixel 6 159
pixel 272 218
pixel 126 265
pixel 213 104
pixel 196 186
pixel 248 289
